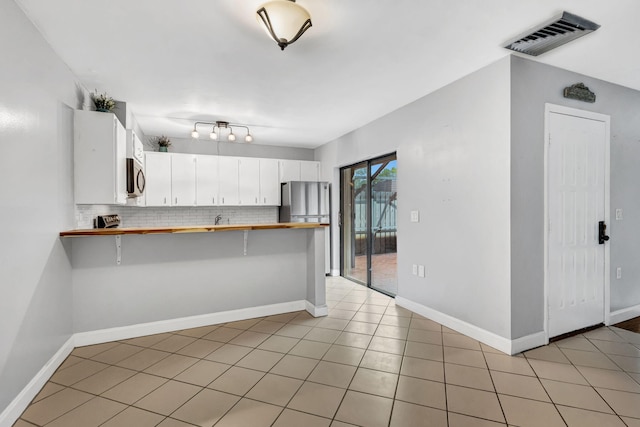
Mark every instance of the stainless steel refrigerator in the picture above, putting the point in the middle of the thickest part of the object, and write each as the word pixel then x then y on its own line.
pixel 304 201
pixel 308 202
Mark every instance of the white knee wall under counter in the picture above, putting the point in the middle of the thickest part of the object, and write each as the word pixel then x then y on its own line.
pixel 177 275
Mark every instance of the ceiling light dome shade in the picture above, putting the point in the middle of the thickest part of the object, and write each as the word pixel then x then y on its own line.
pixel 284 21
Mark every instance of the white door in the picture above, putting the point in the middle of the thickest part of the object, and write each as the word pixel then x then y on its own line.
pixel 577 199
pixel 158 179
pixel 206 180
pixel 228 181
pixel 289 170
pixel 309 171
pixel 269 182
pixel 249 181
pixel 183 179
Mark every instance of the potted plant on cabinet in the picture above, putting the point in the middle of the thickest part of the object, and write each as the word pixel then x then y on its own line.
pixel 163 143
pixel 103 102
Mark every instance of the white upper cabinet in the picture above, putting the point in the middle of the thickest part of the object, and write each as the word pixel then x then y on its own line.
pixel 99 153
pixel 158 178
pixel 269 182
pixel 299 170
pixel 249 181
pixel 206 180
pixel 175 179
pixel 309 171
pixel 289 170
pixel 183 179
pixel 228 174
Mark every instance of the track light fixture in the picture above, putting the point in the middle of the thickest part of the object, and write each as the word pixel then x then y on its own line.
pixel 284 21
pixel 220 127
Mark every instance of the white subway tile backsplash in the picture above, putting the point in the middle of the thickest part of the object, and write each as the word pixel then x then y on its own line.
pixel 134 216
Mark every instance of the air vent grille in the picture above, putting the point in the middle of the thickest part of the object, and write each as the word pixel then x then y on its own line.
pixel 555 33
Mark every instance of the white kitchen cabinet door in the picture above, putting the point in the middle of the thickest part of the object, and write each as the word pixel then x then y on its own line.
pixel 249 181
pixel 206 180
pixel 289 170
pixel 183 179
pixel 158 179
pixel 269 182
pixel 228 181
pixel 309 171
pixel 100 168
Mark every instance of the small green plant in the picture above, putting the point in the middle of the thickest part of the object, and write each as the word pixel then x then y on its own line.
pixel 103 102
pixel 162 141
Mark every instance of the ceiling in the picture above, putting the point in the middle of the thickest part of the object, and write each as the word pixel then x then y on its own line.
pixel 175 62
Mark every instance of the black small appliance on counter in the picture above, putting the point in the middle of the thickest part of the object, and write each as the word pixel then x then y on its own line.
pixel 106 221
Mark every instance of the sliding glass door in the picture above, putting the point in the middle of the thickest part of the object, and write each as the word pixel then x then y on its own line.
pixel 368 223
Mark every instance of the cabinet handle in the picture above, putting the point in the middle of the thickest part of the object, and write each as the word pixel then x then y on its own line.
pixel 223 200
pixel 165 201
pixel 265 200
pixel 176 200
pixel 213 200
pixel 256 200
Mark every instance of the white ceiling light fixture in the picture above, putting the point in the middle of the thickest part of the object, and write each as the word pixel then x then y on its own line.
pixel 284 21
pixel 218 129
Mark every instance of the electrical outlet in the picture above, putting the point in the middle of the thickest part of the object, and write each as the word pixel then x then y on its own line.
pixel 414 269
pixel 421 271
pixel 618 214
pixel 619 273
pixel 415 216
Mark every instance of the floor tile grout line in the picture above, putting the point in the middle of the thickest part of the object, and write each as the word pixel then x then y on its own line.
pixel 495 390
pixel 586 380
pixel 444 375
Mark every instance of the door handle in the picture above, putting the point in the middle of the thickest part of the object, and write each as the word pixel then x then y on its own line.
pixel 602 229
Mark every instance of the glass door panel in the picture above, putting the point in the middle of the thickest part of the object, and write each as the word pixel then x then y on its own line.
pixel 383 231
pixel 354 223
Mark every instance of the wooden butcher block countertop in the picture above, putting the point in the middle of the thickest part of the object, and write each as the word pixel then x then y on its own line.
pixel 187 229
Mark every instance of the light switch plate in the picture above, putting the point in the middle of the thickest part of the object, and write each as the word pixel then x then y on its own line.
pixel 421 271
pixel 618 214
pixel 415 216
pixel 414 269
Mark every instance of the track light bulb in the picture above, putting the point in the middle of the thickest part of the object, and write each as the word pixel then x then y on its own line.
pixel 232 137
pixel 213 135
pixel 248 138
pixel 194 134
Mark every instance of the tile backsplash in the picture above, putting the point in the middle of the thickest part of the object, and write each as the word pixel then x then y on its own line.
pixel 133 216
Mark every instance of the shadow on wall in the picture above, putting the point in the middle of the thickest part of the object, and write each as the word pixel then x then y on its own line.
pixel 28 344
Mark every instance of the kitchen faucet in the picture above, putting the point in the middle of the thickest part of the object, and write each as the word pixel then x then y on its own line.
pixel 218 218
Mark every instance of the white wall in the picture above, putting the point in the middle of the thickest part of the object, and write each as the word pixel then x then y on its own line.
pixel 533 85
pixel 222 148
pixel 167 276
pixel 454 166
pixel 37 96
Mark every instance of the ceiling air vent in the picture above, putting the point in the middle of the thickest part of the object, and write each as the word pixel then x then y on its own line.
pixel 555 33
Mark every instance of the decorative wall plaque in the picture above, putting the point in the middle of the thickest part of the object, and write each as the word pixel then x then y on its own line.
pixel 580 92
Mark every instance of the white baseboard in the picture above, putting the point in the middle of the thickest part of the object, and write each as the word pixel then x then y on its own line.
pixel 317 311
pixel 624 314
pixel 17 406
pixel 528 342
pixel 12 412
pixel 505 345
pixel 142 329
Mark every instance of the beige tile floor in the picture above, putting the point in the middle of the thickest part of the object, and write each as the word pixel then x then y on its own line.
pixel 369 363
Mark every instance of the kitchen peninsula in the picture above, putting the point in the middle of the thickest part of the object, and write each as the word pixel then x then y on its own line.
pixel 137 281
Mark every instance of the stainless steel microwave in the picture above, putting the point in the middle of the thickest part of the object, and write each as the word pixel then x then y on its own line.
pixel 135 178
